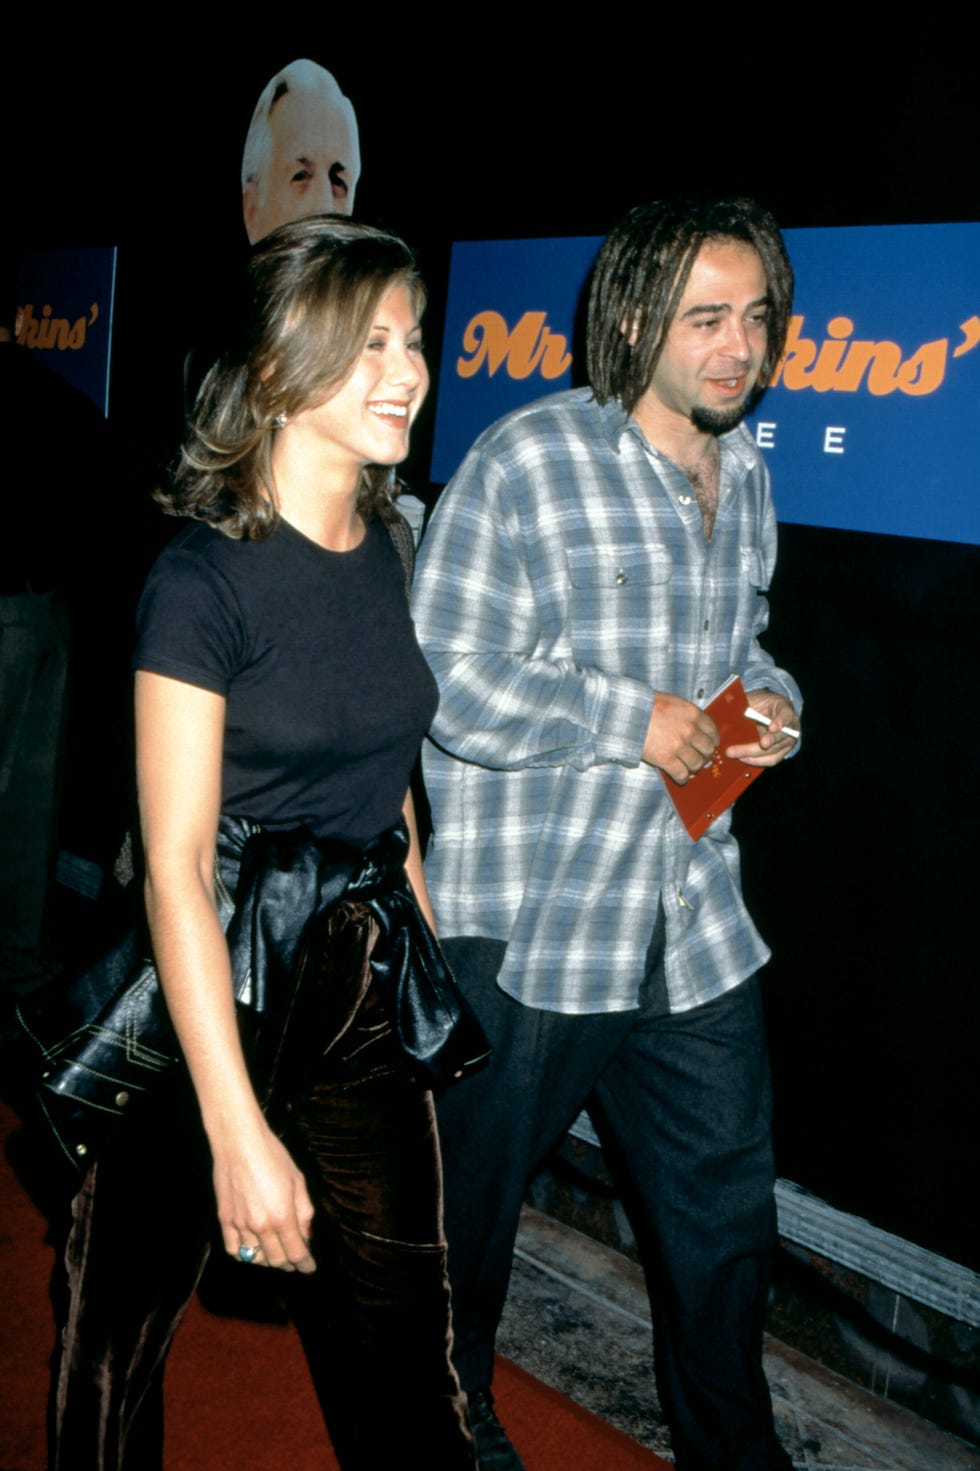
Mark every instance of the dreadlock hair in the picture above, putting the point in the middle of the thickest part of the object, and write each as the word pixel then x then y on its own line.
pixel 640 276
pixel 313 287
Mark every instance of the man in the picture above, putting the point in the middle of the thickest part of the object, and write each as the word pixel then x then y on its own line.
pixel 302 155
pixel 596 569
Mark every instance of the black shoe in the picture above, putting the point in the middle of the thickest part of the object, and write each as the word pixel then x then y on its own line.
pixel 494 1451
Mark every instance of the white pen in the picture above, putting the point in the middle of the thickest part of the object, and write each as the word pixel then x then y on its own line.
pixel 761 719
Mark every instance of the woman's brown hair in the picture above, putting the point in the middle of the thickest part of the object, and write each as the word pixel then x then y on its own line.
pixel 312 290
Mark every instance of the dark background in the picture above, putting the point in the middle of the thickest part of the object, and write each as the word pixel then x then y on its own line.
pixel 858 860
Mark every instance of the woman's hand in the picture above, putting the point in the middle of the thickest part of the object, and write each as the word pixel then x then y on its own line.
pixel 263 1201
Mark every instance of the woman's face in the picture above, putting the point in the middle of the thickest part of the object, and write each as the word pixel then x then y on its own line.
pixel 367 421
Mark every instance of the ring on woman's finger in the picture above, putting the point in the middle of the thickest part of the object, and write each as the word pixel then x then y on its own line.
pixel 248 1253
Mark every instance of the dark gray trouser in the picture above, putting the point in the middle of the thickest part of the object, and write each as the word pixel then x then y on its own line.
pixel 686 1101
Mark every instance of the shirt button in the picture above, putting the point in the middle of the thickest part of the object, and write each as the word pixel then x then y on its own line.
pixel 707 624
pixel 685 500
pixel 621 578
pixel 699 695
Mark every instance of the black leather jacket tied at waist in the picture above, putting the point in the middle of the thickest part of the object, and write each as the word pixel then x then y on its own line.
pixel 105 1036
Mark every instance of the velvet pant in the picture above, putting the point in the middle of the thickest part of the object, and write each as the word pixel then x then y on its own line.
pixel 683 1105
pixel 374 1317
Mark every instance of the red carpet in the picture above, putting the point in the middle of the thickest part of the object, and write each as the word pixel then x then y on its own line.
pixel 231 1381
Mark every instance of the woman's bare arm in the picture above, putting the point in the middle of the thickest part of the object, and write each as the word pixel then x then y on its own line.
pixel 413 864
pixel 261 1195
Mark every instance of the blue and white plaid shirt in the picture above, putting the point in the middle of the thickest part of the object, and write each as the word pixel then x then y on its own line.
pixel 563 579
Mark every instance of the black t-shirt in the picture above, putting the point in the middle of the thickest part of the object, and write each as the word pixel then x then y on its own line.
pixel 328 695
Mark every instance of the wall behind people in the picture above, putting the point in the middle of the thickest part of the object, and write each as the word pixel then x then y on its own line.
pixel 866 902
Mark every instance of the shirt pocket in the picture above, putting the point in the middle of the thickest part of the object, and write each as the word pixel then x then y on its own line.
pixel 619 602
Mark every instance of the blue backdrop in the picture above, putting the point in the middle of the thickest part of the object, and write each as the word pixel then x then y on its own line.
pixel 869 424
pixel 66 297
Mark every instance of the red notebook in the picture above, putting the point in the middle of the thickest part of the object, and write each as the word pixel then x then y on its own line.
pixel 713 789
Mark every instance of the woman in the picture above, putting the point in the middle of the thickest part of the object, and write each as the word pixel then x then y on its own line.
pixel 280 693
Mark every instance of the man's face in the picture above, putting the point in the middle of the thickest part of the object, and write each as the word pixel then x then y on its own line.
pixel 313 166
pixel 716 342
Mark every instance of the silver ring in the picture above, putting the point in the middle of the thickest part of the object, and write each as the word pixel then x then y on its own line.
pixel 248 1253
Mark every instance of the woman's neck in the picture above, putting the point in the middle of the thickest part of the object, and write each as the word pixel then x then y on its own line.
pixel 315 498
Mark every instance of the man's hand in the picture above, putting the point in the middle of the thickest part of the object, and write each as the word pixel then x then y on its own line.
pixel 680 738
pixel 771 746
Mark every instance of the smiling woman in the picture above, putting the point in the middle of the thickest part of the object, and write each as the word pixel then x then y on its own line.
pixel 325 301
pixel 367 420
pixel 280 701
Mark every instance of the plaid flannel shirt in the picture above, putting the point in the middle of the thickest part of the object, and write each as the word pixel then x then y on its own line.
pixel 563 579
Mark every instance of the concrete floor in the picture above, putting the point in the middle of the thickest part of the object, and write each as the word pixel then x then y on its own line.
pixel 577 1318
